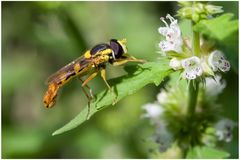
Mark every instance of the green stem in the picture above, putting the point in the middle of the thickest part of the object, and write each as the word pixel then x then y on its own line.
pixel 196 43
pixel 193 85
pixel 192 101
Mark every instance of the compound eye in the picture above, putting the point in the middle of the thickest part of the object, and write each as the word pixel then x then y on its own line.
pixel 116 47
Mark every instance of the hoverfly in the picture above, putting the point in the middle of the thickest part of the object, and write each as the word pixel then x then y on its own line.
pixel 92 62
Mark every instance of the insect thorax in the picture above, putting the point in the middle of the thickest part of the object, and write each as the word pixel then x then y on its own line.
pixel 98 48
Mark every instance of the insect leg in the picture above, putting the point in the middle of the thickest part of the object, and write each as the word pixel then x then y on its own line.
pixel 88 97
pixel 103 75
pixel 90 78
pixel 122 61
pixel 89 100
pixel 85 84
pixel 90 90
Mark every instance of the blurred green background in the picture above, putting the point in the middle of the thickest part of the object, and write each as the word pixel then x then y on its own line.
pixel 38 38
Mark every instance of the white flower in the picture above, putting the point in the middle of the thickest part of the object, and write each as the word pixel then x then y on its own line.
pixel 220 135
pixel 162 97
pixel 192 67
pixel 175 64
pixel 217 61
pixel 152 110
pixel 224 130
pixel 214 86
pixel 173 35
pixel 170 32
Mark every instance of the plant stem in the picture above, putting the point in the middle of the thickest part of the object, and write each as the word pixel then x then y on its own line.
pixel 192 101
pixel 196 43
pixel 193 85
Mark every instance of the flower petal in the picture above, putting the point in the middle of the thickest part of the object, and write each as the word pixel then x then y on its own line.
pixel 163 30
pixel 192 67
pixel 166 46
pixel 172 34
pixel 217 61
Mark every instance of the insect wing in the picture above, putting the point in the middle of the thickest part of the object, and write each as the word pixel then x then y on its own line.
pixel 67 70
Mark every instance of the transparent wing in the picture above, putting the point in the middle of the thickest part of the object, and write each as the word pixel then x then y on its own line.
pixel 68 70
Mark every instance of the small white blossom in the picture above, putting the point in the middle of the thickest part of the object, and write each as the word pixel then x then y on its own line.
pixel 192 67
pixel 163 137
pixel 175 64
pixel 170 32
pixel 224 130
pixel 220 135
pixel 217 61
pixel 162 97
pixel 152 110
pixel 214 86
pixel 173 35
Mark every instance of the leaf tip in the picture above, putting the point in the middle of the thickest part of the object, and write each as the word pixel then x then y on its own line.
pixel 55 133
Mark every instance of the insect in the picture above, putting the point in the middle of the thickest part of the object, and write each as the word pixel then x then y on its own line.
pixel 91 63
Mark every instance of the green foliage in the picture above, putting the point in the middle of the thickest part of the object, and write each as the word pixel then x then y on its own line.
pixel 138 77
pixel 225 32
pixel 13 75
pixel 213 28
pixel 32 144
pixel 206 152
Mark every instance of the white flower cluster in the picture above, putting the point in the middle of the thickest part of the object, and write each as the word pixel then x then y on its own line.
pixel 194 66
pixel 165 98
pixel 154 112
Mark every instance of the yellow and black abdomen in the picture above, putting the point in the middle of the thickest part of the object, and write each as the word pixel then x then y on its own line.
pixel 74 70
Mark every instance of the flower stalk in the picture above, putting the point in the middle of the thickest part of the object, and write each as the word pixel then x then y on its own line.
pixel 196 43
pixel 192 101
pixel 193 85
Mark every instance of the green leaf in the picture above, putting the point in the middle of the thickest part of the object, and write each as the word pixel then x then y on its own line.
pixel 206 152
pixel 218 28
pixel 224 31
pixel 138 76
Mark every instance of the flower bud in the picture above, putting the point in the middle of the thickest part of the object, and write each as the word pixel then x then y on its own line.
pixel 211 9
pixel 185 12
pixel 195 17
pixel 197 11
pixel 199 8
pixel 175 64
